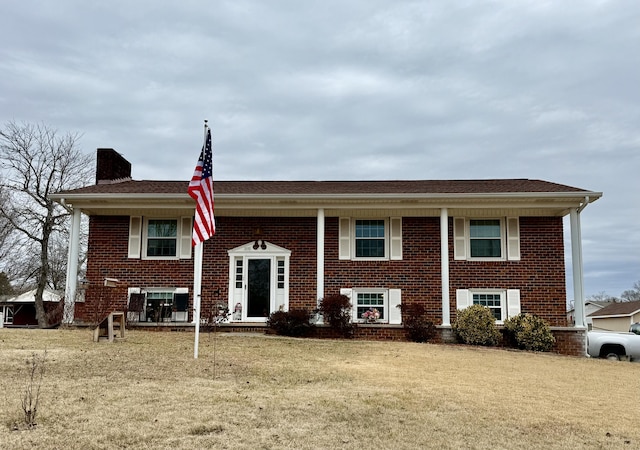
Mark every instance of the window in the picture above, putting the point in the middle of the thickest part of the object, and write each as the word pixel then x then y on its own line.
pixel 371 301
pixel 502 303
pixel 485 238
pixel 493 301
pixel 370 238
pixel 239 273
pixel 158 305
pixel 385 301
pixel 162 237
pixel 280 273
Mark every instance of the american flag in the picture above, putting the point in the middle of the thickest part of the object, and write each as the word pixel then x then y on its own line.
pixel 201 190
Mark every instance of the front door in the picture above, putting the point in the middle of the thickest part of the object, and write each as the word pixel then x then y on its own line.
pixel 258 288
pixel 258 281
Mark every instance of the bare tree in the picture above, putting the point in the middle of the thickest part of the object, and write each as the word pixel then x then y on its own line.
pixel 601 297
pixel 36 162
pixel 6 229
pixel 58 251
pixel 5 285
pixel 631 295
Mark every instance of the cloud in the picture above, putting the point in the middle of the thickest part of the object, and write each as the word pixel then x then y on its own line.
pixel 349 90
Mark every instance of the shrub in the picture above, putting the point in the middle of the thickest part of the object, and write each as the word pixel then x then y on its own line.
pixel 336 311
pixel 529 332
pixel 31 397
pixel 295 322
pixel 416 325
pixel 475 325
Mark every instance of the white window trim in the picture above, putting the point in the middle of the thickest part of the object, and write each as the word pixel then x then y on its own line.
pixel 509 239
pixel 392 298
pixel 354 239
pixel 503 247
pixel 354 302
pixel 509 300
pixel 392 239
pixel 183 238
pixel 503 300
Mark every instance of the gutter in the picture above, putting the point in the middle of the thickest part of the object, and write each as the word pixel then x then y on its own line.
pixel 584 205
pixel 342 196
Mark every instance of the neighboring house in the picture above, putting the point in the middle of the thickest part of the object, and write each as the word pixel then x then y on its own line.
pixel 445 244
pixel 21 309
pixel 590 306
pixel 616 316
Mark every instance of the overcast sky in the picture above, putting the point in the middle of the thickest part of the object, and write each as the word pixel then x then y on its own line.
pixel 350 90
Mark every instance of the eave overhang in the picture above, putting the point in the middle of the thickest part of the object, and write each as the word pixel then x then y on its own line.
pixel 537 203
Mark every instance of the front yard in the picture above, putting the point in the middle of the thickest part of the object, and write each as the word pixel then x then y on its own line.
pixel 256 391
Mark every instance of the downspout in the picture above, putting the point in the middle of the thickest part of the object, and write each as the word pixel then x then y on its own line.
pixel 584 205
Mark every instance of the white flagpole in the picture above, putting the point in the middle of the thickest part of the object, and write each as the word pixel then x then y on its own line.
pixel 197 276
pixel 197 293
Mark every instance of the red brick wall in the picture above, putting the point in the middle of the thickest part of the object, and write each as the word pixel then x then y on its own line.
pixel 108 249
pixel 539 275
pixel 417 274
pixel 295 234
pixel 107 257
pixel 570 342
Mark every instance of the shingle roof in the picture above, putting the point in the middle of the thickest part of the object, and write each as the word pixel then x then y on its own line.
pixel 600 303
pixel 618 309
pixel 337 187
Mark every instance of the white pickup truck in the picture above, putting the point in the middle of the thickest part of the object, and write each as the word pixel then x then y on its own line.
pixel 613 345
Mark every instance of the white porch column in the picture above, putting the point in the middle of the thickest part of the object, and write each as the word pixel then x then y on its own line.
pixel 71 285
pixel 576 265
pixel 444 265
pixel 320 255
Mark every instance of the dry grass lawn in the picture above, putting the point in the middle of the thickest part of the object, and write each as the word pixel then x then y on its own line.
pixel 147 391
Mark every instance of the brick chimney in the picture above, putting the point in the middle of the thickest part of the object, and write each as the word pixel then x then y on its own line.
pixel 111 167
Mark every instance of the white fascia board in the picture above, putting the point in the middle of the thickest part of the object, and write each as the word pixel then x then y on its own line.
pixel 69 198
pixel 115 201
pixel 553 200
pixel 577 196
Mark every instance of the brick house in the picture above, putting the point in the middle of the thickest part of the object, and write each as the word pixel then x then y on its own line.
pixel 446 244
